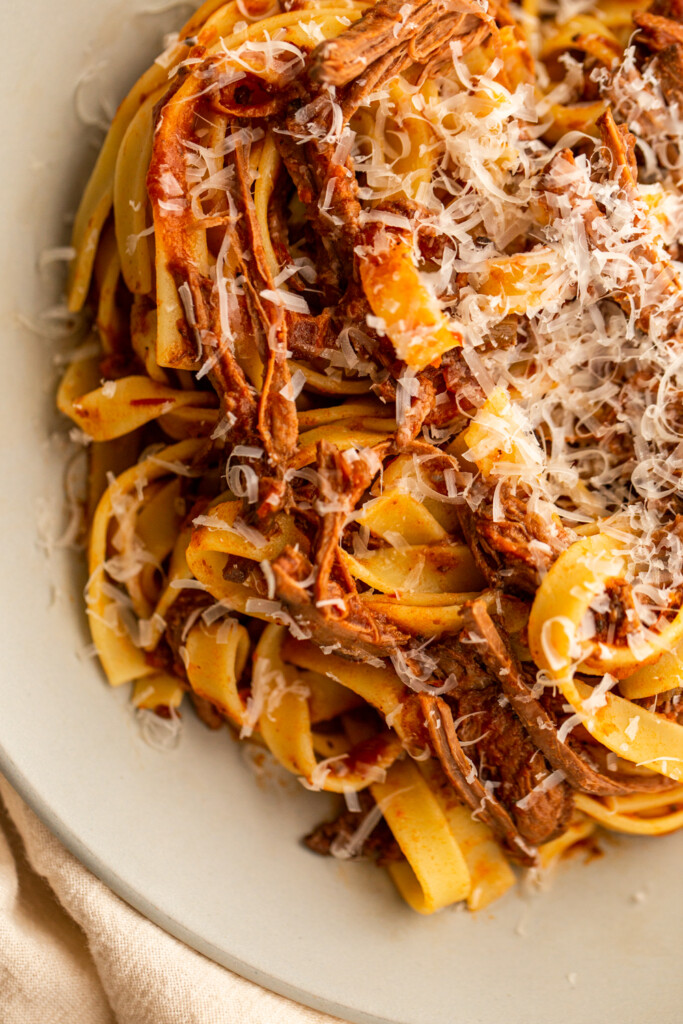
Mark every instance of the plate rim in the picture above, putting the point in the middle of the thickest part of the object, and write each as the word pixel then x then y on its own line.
pixel 149 910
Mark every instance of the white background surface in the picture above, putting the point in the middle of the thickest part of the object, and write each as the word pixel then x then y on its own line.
pixel 191 837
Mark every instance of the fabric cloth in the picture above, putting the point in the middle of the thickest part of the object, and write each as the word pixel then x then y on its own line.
pixel 72 952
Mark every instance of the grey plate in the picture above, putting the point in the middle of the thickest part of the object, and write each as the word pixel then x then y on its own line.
pixel 191 838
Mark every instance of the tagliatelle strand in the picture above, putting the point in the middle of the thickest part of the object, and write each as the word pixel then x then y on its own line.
pixel 565 595
pixel 121 659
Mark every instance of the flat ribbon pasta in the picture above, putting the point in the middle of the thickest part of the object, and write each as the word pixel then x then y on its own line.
pixel 565 595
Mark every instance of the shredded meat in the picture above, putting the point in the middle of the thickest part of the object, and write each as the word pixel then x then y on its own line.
pixel 463 776
pixel 515 763
pixel 515 737
pixel 206 712
pixel 621 145
pixel 187 605
pixel 335 616
pixel 277 421
pixel 672 9
pixel 388 26
pixel 342 482
pixel 512 766
pixel 669 704
pixel 516 551
pixel 349 628
pixel 421 407
pixel 620 618
pixel 668 66
pixel 444 395
pixel 460 380
pixel 331 836
pixel 658 32
pixel 634 97
pixel 542 727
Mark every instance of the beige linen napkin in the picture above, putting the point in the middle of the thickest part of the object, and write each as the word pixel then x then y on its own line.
pixel 71 952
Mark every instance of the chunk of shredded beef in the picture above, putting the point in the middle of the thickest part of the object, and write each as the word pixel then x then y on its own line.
pixel 620 618
pixel 420 407
pixel 509 758
pixel 487 752
pixel 332 837
pixel 334 615
pixel 463 776
pixel 668 67
pixel 514 552
pixel 349 627
pixel 425 25
pixel 658 32
pixel 672 9
pixel 621 145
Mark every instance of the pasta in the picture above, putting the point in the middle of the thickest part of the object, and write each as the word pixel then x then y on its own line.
pixel 385 419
